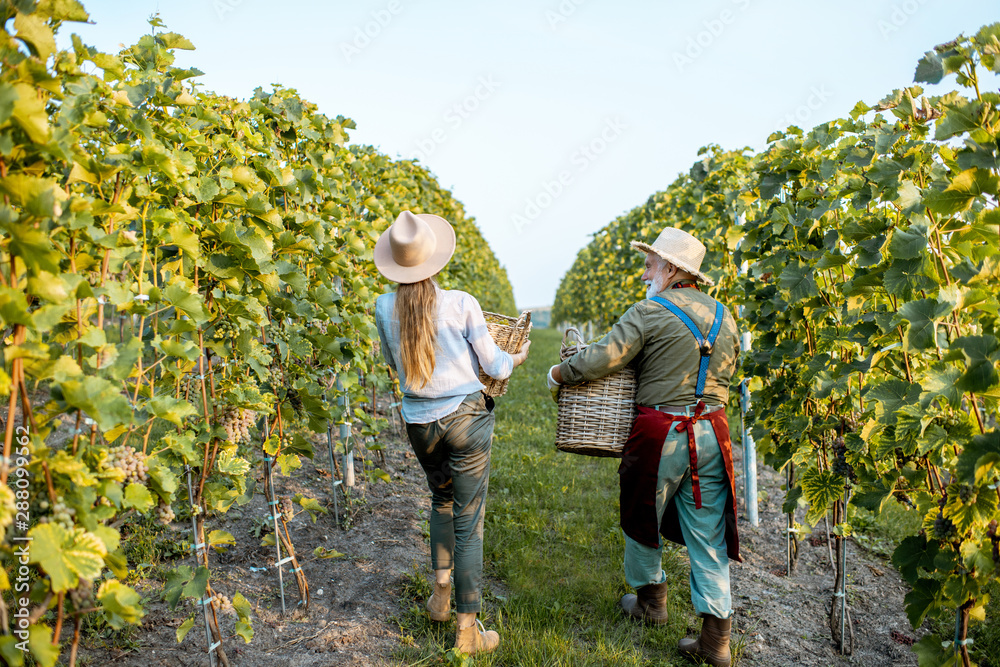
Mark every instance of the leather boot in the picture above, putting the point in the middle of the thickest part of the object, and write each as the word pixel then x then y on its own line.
pixel 712 645
pixel 648 605
pixel 439 604
pixel 476 639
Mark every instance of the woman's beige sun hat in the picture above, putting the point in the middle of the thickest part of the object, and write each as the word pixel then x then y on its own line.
pixel 680 249
pixel 415 247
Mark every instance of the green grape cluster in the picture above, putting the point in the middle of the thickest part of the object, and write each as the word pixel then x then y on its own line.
pixel 952 419
pixel 165 513
pixel 226 329
pixel 222 603
pixel 129 461
pixel 82 596
pixel 287 508
pixel 237 422
pixel 318 325
pixel 62 514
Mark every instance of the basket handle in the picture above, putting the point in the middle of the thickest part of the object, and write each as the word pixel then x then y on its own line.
pixel 575 332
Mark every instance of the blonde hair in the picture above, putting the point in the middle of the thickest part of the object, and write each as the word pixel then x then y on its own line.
pixel 416 308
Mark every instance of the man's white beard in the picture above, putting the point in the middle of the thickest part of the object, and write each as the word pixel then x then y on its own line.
pixel 655 286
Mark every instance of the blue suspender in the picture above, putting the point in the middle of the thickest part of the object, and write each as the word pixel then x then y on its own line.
pixel 704 346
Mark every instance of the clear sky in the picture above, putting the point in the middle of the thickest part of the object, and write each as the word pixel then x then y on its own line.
pixel 549 118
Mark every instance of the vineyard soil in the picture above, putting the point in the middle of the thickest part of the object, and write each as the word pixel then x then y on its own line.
pixel 358 597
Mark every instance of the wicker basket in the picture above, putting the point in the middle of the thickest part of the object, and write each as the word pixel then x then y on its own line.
pixel 509 333
pixel 595 418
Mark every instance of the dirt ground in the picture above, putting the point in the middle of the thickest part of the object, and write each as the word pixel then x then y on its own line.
pixel 355 597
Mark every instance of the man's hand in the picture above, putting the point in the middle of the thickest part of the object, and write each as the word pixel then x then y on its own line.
pixel 553 383
pixel 522 354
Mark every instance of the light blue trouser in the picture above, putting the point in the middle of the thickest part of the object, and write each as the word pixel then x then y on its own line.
pixel 704 529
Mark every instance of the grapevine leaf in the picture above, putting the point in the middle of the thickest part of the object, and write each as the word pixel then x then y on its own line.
pixel 173 587
pixel 12 655
pixel 939 381
pixel 930 653
pixel 908 243
pixel 311 505
pixel 909 555
pixel 891 395
pixel 799 281
pixel 245 630
pixel 65 555
pixel 190 303
pixel 172 40
pixel 100 399
pixel 63 10
pixel 921 600
pixel 184 628
pixel 195 588
pixel 40 642
pixel 174 410
pixel 323 552
pixel 872 498
pixel 220 539
pixel 13 307
pixel 29 113
pixel 288 463
pixel 243 627
pixel 120 604
pixel 922 316
pixel 930 69
pixel 959 117
pixel 73 469
pixel 820 489
pixel 981 354
pixel 966 515
pixel 230 464
pixel 139 497
pixel 979 458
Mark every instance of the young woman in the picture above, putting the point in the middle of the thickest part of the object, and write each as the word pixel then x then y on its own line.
pixel 436 340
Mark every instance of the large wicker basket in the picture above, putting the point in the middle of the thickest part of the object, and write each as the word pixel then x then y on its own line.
pixel 595 418
pixel 509 333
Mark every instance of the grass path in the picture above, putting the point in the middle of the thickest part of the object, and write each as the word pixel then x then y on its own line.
pixel 553 543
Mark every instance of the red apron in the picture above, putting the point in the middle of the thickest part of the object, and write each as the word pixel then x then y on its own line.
pixel 639 470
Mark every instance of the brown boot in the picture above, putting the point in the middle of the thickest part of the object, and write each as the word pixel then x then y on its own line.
pixel 476 639
pixel 439 604
pixel 649 604
pixel 712 645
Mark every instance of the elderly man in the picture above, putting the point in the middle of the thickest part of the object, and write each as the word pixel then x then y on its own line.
pixel 676 474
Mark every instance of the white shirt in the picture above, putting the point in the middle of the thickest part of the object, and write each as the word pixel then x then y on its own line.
pixel 463 345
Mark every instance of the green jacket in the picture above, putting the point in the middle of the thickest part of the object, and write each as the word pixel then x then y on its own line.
pixel 663 351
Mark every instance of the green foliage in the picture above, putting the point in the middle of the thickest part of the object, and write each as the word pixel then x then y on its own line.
pixel 174 264
pixel 870 246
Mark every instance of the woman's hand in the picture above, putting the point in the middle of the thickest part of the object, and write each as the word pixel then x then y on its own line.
pixel 521 355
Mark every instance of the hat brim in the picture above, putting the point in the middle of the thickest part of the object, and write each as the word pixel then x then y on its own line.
pixel 645 247
pixel 444 248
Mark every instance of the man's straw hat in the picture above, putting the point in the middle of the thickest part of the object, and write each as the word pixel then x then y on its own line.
pixel 416 246
pixel 680 249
